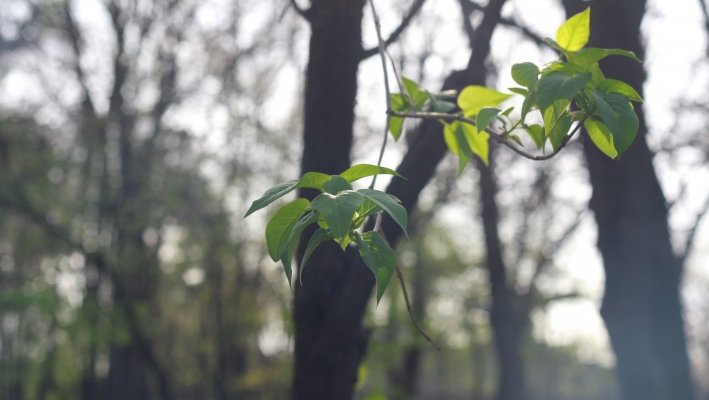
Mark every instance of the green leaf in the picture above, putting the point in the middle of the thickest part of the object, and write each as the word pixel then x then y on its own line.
pixel 536 132
pixel 474 98
pixel 272 195
pixel 418 96
pixel 454 135
pixel 439 105
pixel 390 204
pixel 557 122
pixel 318 237
pixel 379 257
pixel 586 57
pixel 601 137
pixel 279 227
pixel 479 142
pixel 396 127
pixel 615 86
pixel 526 74
pixel 367 208
pixel 485 117
pixel 360 171
pixel 338 210
pixel 313 180
pixel 618 115
pixel 557 86
pixel 573 34
pixel 336 184
pixel 518 90
pixel 293 239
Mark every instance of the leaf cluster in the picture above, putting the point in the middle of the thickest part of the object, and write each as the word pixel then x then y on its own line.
pixel 339 212
pixel 570 89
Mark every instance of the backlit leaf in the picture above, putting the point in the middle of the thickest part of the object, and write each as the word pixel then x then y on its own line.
pixel 473 98
pixel 360 171
pixel 279 227
pixel 573 34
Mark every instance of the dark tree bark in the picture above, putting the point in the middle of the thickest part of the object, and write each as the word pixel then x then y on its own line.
pixel 641 306
pixel 329 338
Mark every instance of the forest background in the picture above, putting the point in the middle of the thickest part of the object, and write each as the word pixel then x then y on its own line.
pixel 135 134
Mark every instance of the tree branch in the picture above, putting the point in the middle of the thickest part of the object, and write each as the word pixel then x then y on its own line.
pixel 415 8
pixel 691 236
pixel 495 135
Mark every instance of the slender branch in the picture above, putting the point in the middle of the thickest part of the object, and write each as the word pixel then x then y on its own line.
pixel 303 12
pixel 382 56
pixel 705 13
pixel 495 135
pixel 415 8
pixel 410 311
pixel 691 236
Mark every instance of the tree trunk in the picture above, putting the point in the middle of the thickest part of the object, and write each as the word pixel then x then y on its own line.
pixel 329 338
pixel 641 306
pixel 509 315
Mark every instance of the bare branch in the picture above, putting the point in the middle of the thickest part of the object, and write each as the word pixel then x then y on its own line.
pixel 691 236
pixel 495 135
pixel 415 8
pixel 76 40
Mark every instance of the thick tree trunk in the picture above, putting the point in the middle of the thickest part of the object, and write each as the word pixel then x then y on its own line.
pixel 509 315
pixel 329 338
pixel 641 307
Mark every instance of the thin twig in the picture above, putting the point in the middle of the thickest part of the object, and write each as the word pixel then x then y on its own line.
pixel 415 7
pixel 689 243
pixel 495 135
pixel 525 31
pixel 382 56
pixel 411 313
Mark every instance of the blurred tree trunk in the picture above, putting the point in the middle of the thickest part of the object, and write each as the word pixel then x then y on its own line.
pixel 329 338
pixel 509 316
pixel 641 306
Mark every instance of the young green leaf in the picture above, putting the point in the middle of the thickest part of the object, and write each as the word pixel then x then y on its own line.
pixel 573 34
pixel 313 180
pixel 396 126
pixel 557 86
pixel 536 132
pixel 272 195
pixel 619 117
pixel 318 237
pixel 454 135
pixel 360 171
pixel 338 210
pixel 416 94
pixel 279 227
pixel 473 98
pixel 556 123
pixel 390 204
pixel 485 117
pixel 601 137
pixel 293 238
pixel 526 74
pixel 584 58
pixel 336 184
pixel 518 90
pixel 615 86
pixel 379 257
